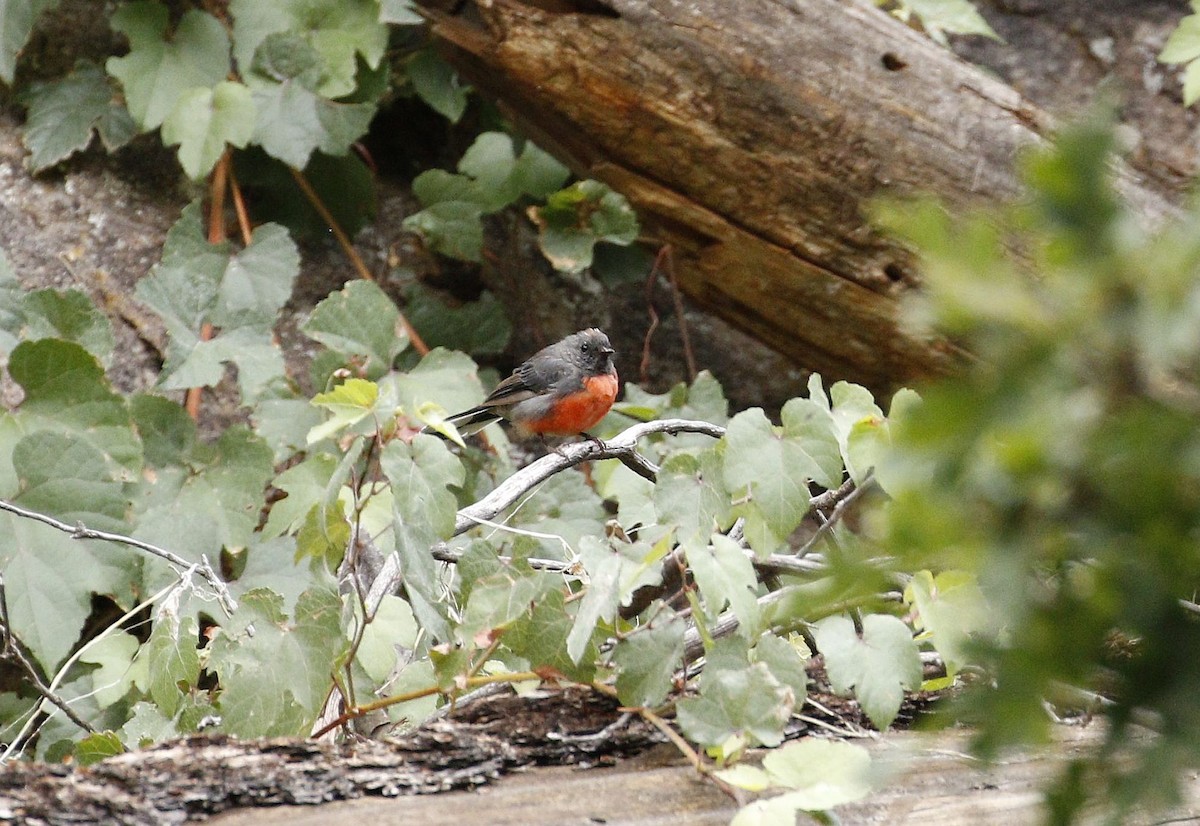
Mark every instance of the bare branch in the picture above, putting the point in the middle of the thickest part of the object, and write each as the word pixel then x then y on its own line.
pixel 81 531
pixel 622 447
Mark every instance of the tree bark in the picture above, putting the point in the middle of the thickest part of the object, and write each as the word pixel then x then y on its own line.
pixel 751 137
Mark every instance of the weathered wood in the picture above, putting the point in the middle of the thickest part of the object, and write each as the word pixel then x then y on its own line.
pixel 193 778
pixel 750 136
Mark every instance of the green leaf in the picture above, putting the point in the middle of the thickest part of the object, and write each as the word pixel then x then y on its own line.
pixel 70 316
pixel 351 402
pixel 953 16
pixel 258 280
pixel 359 320
pixel 66 392
pixel 444 377
pixel 147 725
pixel 183 287
pixel 647 660
pixel 217 506
pixel 880 665
pixel 305 486
pixel 861 428
pixel 171 658
pixel 116 670
pixel 324 535
pixel 565 507
pixel 400 13
pixel 63 115
pixel 240 291
pixel 282 700
pixel 11 315
pixel 421 474
pixel 16 24
pixel 294 122
pixel 478 327
pixel 49 579
pixel 1183 44
pixel 167 432
pixel 95 747
pixel 1191 83
pixel 747 705
pixel 451 228
pixel 773 467
pixel 725 576
pixel 601 599
pixel 272 565
pixel 284 424
pixel 255 353
pixel 822 774
pixel 436 83
pixel 690 495
pixel 205 121
pixel 952 608
pixel 541 638
pixel 785 662
pixel 575 219
pixel 340 31
pixel 391 633
pixel 69 479
pixel 501 599
pixel 157 72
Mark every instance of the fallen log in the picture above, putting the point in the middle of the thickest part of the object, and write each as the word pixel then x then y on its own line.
pixel 750 136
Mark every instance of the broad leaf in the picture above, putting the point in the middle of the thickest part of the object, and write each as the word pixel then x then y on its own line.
pixel 647 660
pixel 745 705
pixel 64 114
pixel 66 392
pixel 340 31
pixel 359 320
pixel 158 72
pixel 880 665
pixel 205 121
pixel 284 699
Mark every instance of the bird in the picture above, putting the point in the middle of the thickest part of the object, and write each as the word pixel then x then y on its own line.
pixel 561 390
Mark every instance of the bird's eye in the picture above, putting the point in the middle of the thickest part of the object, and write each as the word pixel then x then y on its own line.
pixel 584 347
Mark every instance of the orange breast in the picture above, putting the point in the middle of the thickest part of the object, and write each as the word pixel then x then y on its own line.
pixel 579 411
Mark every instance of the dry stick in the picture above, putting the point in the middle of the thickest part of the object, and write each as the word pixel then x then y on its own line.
pixel 239 208
pixel 685 748
pixel 355 259
pixel 427 691
pixel 218 185
pixel 644 367
pixel 81 531
pixel 12 651
pixel 677 299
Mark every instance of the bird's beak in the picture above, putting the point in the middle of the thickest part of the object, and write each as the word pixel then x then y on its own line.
pixel 608 351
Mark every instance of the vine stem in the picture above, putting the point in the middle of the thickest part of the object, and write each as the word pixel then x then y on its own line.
pixel 427 691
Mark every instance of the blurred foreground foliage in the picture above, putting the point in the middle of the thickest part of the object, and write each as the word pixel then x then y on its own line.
pixel 1062 467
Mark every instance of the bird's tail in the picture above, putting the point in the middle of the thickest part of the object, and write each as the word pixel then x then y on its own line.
pixel 469 422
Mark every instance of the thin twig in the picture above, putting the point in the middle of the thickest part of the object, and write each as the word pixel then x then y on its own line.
pixel 12 651
pixel 839 510
pixel 347 246
pixel 18 742
pixel 644 367
pixel 689 357
pixel 81 531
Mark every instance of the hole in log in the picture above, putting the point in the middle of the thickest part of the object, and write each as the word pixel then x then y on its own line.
pixel 892 62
